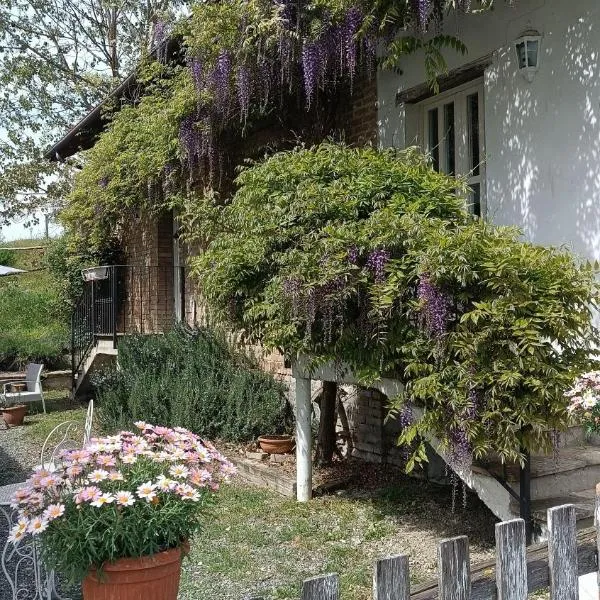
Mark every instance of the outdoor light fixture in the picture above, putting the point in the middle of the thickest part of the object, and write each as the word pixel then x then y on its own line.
pixel 528 53
pixel 95 273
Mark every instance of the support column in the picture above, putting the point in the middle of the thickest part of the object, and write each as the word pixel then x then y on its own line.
pixel 303 440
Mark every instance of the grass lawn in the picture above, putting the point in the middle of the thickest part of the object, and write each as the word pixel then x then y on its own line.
pixel 257 544
pixel 59 408
pixel 31 324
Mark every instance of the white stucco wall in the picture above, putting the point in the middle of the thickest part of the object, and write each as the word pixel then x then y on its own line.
pixel 542 139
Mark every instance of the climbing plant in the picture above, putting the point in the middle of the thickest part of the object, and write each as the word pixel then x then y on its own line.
pixel 240 62
pixel 368 259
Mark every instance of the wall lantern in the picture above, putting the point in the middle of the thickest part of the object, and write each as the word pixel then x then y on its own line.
pixel 528 53
pixel 95 273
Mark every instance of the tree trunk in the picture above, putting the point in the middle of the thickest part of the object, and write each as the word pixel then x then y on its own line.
pixel 327 423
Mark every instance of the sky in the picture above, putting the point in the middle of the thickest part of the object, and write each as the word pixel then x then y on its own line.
pixel 18 231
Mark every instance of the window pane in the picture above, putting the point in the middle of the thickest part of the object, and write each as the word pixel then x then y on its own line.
pixel 532 53
pixel 473 133
pixel 521 55
pixel 434 138
pixel 449 159
pixel 475 199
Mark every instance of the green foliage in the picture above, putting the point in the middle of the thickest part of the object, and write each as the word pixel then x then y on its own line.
pixel 7 258
pixel 178 136
pixel 291 261
pixel 192 378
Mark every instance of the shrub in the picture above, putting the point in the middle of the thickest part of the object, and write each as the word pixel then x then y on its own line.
pixel 191 377
pixel 7 258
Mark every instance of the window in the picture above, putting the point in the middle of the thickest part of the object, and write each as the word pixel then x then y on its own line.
pixel 454 136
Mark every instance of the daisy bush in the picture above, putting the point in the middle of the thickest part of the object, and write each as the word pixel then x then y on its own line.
pixel 584 401
pixel 126 495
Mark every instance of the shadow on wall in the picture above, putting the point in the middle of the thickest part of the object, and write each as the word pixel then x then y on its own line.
pixel 543 138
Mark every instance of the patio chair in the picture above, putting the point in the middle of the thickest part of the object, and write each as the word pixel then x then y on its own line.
pixel 34 387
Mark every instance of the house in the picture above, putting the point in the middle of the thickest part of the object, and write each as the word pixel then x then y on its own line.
pixel 517 116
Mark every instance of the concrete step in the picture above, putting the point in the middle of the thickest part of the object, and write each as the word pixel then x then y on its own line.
pixel 574 469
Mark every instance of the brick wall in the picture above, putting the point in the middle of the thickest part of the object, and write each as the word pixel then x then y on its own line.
pixel 146 280
pixel 357 117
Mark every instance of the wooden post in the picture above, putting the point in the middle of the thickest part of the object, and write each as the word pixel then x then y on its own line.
pixel 326 587
pixel 511 560
pixel 303 440
pixel 454 571
pixel 562 553
pixel 391 580
pixel 597 525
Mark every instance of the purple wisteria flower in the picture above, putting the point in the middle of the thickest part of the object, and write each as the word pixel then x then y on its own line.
pixel 436 307
pixel 376 263
pixel 460 455
pixel 353 255
pixel 310 69
pixel 350 28
pixel 243 84
pixel 221 80
pixel 196 71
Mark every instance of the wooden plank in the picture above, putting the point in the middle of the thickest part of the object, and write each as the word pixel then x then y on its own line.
pixel 483 575
pixel 562 553
pixel 464 74
pixel 391 580
pixel 454 574
pixel 511 560
pixel 325 587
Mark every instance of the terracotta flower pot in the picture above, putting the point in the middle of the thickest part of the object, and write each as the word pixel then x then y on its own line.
pixel 14 415
pixel 153 577
pixel 276 444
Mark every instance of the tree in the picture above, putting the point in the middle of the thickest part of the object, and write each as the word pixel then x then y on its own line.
pixel 368 258
pixel 58 59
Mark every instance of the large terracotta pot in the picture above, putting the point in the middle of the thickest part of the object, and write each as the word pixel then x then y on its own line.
pixel 276 444
pixel 153 577
pixel 14 415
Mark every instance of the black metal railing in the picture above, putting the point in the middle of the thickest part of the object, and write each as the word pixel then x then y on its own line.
pixel 124 299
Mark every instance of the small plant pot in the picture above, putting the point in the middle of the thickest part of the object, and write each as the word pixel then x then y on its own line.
pixel 153 577
pixel 14 415
pixel 276 444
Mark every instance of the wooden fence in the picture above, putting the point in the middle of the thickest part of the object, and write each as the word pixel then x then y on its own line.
pixel 517 570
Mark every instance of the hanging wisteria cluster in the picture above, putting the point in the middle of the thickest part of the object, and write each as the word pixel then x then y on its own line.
pixel 248 74
pixel 435 307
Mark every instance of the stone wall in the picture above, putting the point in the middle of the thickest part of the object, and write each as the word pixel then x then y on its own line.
pixel 373 437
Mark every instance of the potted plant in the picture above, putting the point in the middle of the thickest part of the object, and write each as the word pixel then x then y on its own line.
pixel 276 444
pixel 13 414
pixel 118 514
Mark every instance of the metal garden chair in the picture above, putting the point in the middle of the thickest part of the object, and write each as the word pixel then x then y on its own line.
pixel 34 391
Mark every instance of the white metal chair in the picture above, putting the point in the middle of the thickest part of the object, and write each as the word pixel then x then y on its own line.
pixel 34 387
pixel 64 437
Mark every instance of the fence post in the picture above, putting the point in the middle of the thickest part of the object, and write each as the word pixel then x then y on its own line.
pixel 325 587
pixel 511 560
pixel 562 553
pixel 391 580
pixel 454 571
pixel 597 526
